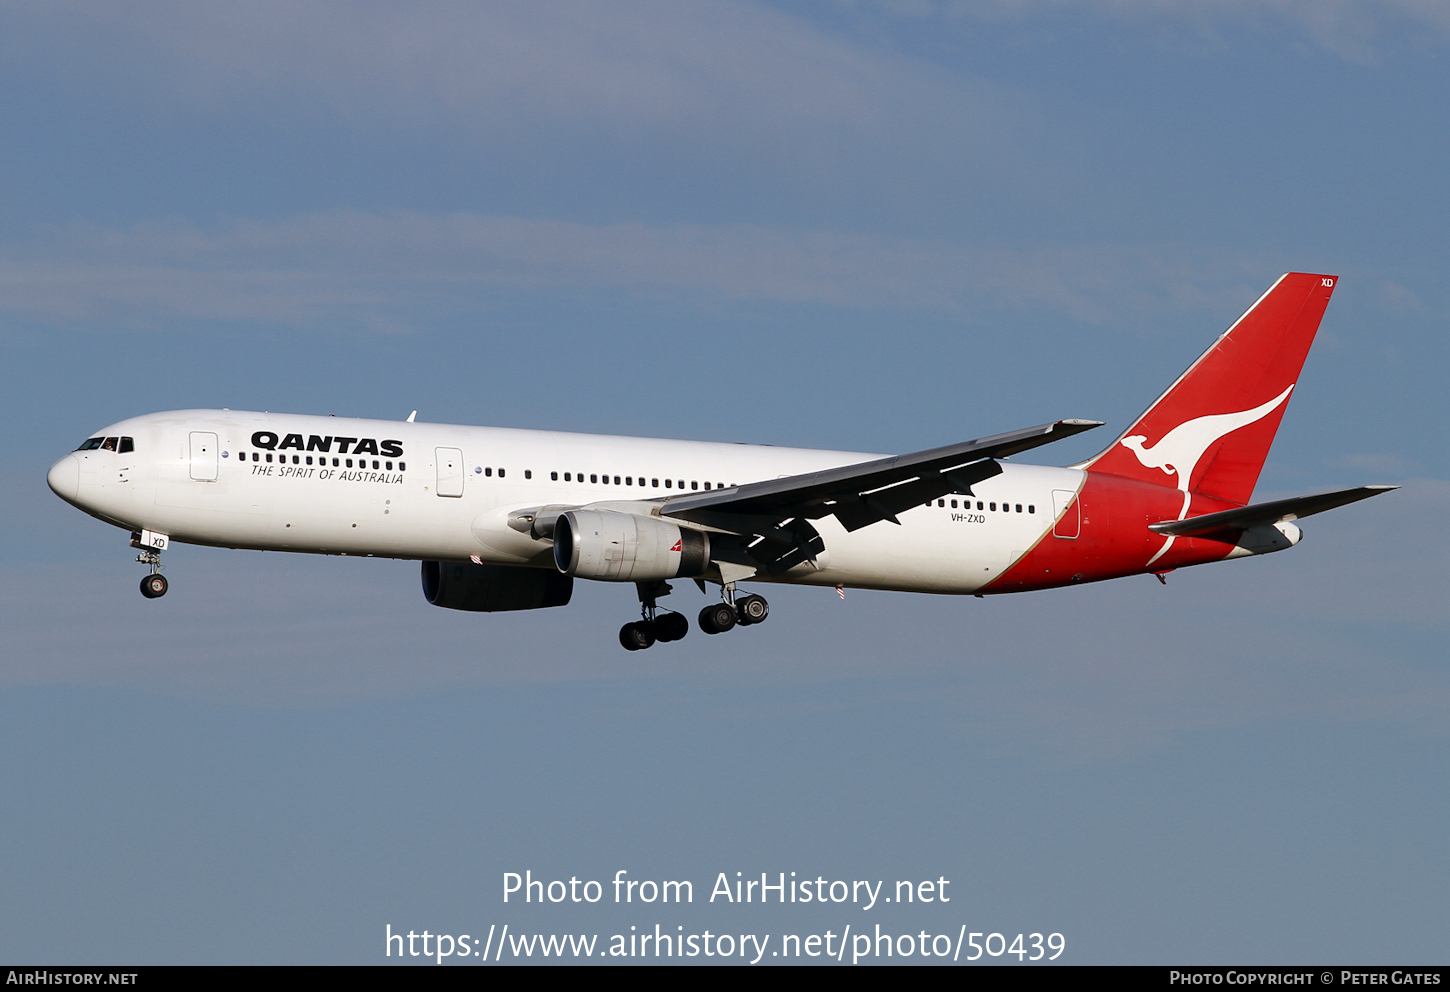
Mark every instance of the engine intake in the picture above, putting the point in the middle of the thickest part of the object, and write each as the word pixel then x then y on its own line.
pixel 625 547
pixel 493 588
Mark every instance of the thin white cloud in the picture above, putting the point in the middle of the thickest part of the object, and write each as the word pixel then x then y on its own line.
pixel 346 267
pixel 1352 29
pixel 612 65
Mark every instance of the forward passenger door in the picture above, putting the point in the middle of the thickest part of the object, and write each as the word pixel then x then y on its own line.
pixel 450 471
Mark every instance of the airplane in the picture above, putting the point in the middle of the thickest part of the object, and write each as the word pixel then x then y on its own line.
pixel 505 519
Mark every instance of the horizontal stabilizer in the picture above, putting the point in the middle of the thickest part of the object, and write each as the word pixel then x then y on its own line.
pixel 1245 517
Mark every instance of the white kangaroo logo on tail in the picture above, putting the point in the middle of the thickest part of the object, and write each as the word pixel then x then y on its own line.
pixel 1178 451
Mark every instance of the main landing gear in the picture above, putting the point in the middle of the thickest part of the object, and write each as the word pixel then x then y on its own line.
pixel 669 626
pixel 721 616
pixel 653 625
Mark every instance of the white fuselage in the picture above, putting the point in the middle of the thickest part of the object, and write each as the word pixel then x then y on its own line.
pixel 281 482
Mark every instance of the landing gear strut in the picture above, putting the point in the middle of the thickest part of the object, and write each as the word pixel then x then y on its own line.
pixel 653 625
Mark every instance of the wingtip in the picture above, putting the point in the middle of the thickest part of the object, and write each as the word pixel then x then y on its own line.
pixel 1075 422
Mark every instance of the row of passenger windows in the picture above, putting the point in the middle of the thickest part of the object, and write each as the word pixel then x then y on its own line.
pixel 967 505
pixel 629 480
pixel 125 444
pixel 121 445
pixel 307 460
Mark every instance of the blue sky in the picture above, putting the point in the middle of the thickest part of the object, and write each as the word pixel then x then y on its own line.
pixel 873 226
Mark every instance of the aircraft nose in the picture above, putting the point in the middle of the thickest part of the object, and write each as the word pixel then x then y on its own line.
pixel 64 478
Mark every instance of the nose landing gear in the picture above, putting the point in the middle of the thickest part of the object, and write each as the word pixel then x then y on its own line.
pixel 153 586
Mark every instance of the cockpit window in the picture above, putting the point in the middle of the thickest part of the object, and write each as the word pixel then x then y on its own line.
pixel 109 444
pixel 127 444
pixel 92 444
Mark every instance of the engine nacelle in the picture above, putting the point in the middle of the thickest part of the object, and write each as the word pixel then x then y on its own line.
pixel 493 588
pixel 626 547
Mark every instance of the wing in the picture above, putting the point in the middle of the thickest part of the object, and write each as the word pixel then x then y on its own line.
pixel 856 495
pixel 1245 517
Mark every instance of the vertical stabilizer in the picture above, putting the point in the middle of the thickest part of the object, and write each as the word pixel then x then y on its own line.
pixel 1211 431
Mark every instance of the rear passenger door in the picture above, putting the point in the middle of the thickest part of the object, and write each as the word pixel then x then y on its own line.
pixel 1067 514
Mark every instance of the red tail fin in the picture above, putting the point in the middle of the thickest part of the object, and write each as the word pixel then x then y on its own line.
pixel 1211 431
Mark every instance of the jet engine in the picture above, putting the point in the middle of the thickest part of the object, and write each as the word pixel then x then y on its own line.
pixel 493 588
pixel 625 547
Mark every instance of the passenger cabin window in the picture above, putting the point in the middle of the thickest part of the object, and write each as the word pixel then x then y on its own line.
pixel 554 476
pixel 528 473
